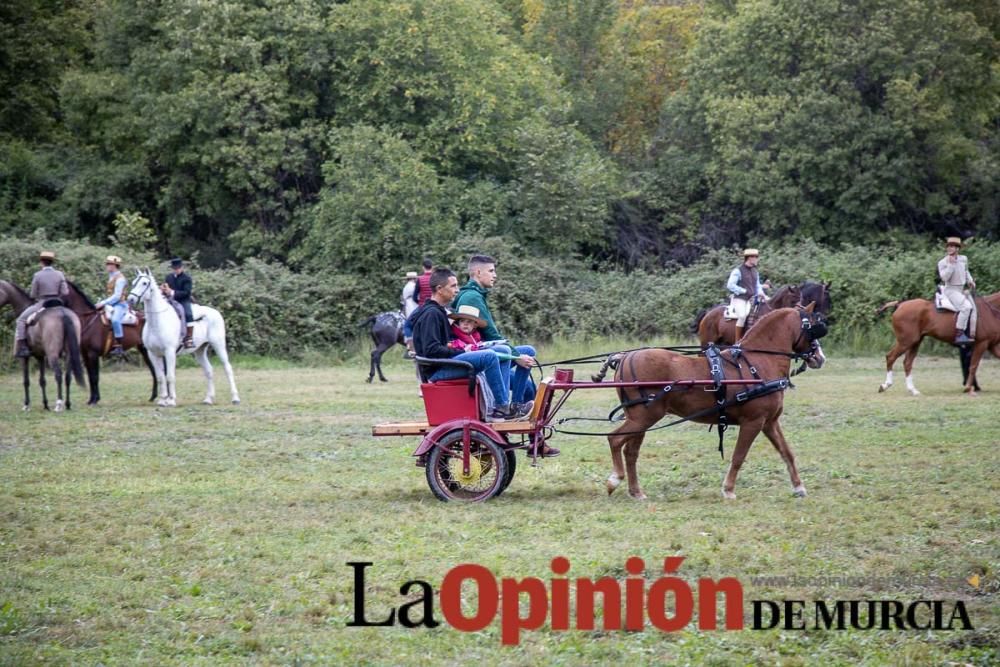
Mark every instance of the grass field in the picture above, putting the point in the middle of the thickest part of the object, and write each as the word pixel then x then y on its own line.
pixel 197 535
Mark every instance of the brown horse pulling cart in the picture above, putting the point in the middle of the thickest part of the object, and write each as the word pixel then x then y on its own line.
pixel 468 459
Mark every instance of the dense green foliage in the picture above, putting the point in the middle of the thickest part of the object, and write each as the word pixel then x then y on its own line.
pixel 272 310
pixel 293 143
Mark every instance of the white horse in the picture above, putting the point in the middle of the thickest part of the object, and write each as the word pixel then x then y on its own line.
pixel 162 336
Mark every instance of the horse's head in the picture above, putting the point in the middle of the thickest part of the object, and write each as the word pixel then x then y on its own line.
pixel 818 294
pixel 812 328
pixel 143 287
pixel 785 297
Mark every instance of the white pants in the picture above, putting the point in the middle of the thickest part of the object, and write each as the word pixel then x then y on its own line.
pixel 739 308
pixel 965 306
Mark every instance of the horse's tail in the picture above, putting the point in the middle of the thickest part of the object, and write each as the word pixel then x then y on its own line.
pixel 610 362
pixel 888 305
pixel 697 320
pixel 71 340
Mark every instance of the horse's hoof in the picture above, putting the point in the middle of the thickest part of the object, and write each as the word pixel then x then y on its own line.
pixel 59 406
pixel 638 496
pixel 236 401
pixel 369 380
pixel 208 401
pixel 728 495
pixel 799 492
pixel 614 481
pixel 383 379
pixel 25 408
pixel 883 387
pixel 914 392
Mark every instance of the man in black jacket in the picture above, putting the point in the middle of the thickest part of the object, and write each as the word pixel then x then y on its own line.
pixel 179 286
pixel 431 333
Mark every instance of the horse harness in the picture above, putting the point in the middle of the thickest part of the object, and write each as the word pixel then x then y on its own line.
pixel 811 330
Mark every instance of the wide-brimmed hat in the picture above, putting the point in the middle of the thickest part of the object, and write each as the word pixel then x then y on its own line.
pixel 114 259
pixel 953 240
pixel 468 313
pixel 751 252
pixel 47 254
pixel 411 275
pixel 176 262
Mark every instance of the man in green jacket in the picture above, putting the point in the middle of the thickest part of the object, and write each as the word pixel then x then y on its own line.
pixel 482 276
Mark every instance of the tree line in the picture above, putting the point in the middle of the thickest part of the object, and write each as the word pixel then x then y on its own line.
pixel 356 136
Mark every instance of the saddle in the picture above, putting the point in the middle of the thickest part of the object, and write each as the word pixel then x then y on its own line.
pixel 48 303
pixel 131 318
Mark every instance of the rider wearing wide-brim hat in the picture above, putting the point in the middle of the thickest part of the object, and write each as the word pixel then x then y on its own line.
pixel 744 287
pixel 47 283
pixel 116 289
pixel 955 276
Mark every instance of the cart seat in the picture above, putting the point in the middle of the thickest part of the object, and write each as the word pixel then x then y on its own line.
pixel 446 400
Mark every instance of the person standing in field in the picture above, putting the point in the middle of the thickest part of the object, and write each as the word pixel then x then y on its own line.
pixel 424 282
pixel 408 304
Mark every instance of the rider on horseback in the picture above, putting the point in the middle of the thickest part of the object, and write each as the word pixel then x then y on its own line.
pixel 744 285
pixel 954 272
pixel 179 286
pixel 46 284
pixel 117 284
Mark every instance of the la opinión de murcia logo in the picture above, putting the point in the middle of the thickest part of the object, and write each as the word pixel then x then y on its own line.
pixel 667 603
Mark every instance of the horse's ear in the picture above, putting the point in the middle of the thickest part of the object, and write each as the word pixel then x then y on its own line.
pixel 810 307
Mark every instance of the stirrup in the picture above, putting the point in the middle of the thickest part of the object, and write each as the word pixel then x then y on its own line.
pixel 188 343
pixel 117 351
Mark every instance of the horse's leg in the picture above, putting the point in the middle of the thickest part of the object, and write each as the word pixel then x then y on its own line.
pixel 68 378
pixel 152 371
pixel 201 354
pixel 631 458
pixel 27 384
pixel 911 355
pixel 170 361
pixel 93 363
pixel 977 355
pixel 890 359
pixel 371 366
pixel 617 442
pixel 41 383
pixel 223 354
pixel 161 381
pixel 772 430
pixel 377 356
pixel 746 437
pixel 56 364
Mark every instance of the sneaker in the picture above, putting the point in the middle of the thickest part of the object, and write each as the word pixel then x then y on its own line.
pixel 962 339
pixel 502 413
pixel 523 410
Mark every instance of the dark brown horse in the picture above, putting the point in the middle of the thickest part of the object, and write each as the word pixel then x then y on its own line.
pixel 96 340
pixel 94 335
pixel 768 346
pixel 915 319
pixel 712 326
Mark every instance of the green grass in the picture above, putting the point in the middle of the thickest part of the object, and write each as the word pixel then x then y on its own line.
pixel 197 535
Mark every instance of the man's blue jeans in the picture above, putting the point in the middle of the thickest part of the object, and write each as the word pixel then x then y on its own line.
pixel 484 361
pixel 521 375
pixel 118 312
pixel 407 329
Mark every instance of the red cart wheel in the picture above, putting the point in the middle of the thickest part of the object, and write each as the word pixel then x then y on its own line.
pixel 487 468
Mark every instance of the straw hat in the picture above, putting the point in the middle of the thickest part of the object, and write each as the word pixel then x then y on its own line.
pixel 114 259
pixel 751 252
pixel 953 240
pixel 410 275
pixel 468 313
pixel 47 254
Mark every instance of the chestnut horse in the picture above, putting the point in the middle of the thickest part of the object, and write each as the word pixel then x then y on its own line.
pixel 768 347
pixel 712 326
pixel 916 318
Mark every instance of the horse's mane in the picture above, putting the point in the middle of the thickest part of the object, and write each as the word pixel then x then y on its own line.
pixel 18 288
pixel 81 293
pixel 759 324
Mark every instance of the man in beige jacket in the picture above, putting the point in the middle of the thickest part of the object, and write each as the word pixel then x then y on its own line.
pixel 954 272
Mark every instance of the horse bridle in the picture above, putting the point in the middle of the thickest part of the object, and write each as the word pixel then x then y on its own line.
pixel 139 297
pixel 811 331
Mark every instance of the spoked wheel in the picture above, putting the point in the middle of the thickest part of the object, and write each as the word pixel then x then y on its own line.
pixel 488 465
